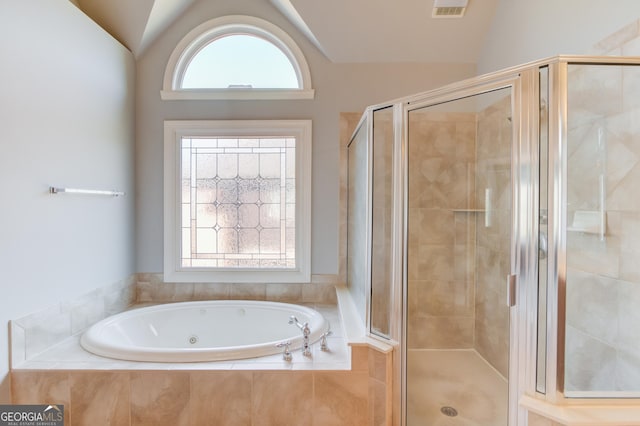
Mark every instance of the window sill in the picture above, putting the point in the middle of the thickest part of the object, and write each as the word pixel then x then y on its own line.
pixel 261 276
pixel 237 94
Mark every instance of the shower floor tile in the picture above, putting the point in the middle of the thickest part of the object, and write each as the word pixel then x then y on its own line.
pixel 460 379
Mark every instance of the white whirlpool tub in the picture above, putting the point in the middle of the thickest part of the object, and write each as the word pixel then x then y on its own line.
pixel 201 331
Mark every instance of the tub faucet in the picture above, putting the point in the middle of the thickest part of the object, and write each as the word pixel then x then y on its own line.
pixel 306 331
pixel 323 343
pixel 286 355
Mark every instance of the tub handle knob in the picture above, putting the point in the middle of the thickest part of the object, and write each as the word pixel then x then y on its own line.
pixel 286 355
pixel 323 343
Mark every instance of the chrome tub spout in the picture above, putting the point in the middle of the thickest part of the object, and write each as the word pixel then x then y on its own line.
pixel 306 331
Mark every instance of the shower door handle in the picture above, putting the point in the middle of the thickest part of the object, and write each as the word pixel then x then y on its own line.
pixel 511 290
pixel 543 246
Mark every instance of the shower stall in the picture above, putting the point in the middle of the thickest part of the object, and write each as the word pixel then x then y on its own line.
pixel 493 235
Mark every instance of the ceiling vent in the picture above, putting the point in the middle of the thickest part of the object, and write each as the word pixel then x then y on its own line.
pixel 449 8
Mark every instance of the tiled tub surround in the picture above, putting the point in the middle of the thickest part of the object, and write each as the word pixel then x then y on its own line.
pixel 35 333
pixel 38 332
pixel 196 395
pixel 347 385
pixel 152 288
pixel 69 355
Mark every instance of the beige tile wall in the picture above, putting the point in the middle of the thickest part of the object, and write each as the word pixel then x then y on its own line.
pixel 382 225
pixel 357 218
pixel 351 269
pixel 441 253
pixel 493 242
pixel 348 123
pixel 603 276
pixel 152 288
pixel 110 395
pixel 384 395
pixel 37 332
pixel 361 396
pixel 457 262
pixel 536 420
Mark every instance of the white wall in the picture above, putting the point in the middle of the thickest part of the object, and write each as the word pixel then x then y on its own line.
pixel 67 115
pixel 339 88
pixel 525 30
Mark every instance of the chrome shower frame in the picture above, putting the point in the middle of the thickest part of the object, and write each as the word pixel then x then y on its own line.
pixel 524 82
pixel 507 80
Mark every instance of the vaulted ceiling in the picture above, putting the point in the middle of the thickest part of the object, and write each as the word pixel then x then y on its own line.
pixel 345 31
pixel 391 30
pixel 134 23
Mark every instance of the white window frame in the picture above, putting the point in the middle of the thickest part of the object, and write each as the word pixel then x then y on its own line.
pixel 207 32
pixel 174 131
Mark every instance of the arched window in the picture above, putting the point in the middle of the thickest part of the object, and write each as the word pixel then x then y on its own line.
pixel 237 57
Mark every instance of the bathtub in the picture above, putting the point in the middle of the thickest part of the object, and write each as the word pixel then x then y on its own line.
pixel 201 331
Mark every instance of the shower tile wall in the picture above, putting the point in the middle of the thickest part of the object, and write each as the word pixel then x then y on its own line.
pixel 348 124
pixel 441 241
pixel 382 212
pixel 357 212
pixel 603 274
pixel 493 232
pixel 536 420
pixel 458 256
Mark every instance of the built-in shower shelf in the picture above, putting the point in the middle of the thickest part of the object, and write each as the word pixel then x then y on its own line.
pixel 583 230
pixel 487 214
pixel 589 222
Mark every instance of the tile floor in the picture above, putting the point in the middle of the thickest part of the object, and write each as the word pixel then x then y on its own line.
pixel 461 379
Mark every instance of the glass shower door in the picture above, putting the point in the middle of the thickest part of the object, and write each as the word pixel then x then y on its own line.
pixel 459 251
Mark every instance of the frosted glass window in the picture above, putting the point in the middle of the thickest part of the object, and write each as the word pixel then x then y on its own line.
pixel 237 201
pixel 236 211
